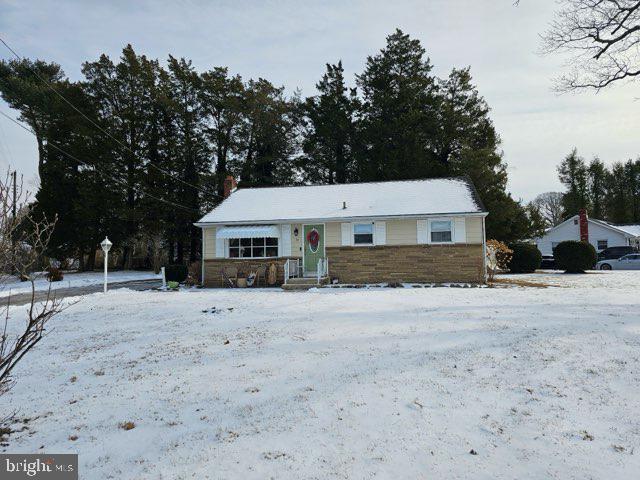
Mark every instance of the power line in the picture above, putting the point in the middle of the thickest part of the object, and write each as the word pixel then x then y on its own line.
pixel 94 123
pixel 117 180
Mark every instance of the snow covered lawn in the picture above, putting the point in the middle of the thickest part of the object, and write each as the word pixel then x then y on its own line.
pixel 337 383
pixel 71 280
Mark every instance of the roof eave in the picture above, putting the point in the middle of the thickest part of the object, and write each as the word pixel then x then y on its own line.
pixel 342 219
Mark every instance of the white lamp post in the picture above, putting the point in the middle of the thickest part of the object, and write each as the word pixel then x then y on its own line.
pixel 106 246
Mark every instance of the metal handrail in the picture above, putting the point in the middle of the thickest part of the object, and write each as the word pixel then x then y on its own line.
pixel 323 269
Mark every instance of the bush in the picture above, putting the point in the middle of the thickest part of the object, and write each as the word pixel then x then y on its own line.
pixel 54 274
pixel 526 258
pixel 176 273
pixel 575 257
pixel 498 257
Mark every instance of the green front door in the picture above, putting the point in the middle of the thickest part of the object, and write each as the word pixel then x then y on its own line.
pixel 313 247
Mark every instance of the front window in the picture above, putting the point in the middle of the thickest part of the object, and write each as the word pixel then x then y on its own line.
pixel 363 234
pixel 253 247
pixel 441 231
pixel 602 244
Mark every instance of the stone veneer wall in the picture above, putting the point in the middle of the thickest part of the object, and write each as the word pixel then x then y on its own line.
pixel 410 263
pixel 213 269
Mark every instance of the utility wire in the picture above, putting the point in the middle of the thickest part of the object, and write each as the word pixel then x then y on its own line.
pixel 117 180
pixel 92 122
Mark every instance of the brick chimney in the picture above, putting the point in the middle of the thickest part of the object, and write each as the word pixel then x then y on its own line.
pixel 584 225
pixel 230 186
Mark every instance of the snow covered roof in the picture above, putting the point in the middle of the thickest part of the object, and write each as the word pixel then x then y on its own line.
pixel 633 230
pixel 441 196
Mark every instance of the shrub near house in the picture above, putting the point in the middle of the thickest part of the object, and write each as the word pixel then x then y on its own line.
pixel 575 257
pixel 526 258
pixel 176 273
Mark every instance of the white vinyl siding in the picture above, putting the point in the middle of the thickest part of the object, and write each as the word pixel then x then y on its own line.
pixel 423 231
pixel 380 233
pixel 296 240
pixel 345 233
pixel 459 230
pixel 332 234
pixel 284 245
pixel 220 248
pixel 387 232
pixel 401 232
pixel 473 230
pixel 209 243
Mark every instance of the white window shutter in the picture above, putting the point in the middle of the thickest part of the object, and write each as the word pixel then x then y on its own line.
pixel 380 237
pixel 284 243
pixel 459 230
pixel 423 231
pixel 347 239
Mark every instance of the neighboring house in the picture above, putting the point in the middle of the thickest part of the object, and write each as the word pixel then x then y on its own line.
pixel 598 233
pixel 411 231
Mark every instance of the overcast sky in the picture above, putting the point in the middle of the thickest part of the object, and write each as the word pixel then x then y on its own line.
pixel 289 42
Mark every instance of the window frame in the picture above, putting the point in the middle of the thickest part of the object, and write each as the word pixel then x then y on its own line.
pixel 606 242
pixel 264 245
pixel 353 234
pixel 451 230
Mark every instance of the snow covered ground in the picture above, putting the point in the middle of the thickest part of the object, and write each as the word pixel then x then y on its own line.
pixel 340 383
pixel 13 285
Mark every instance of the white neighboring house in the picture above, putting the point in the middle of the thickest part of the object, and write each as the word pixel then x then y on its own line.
pixel 600 234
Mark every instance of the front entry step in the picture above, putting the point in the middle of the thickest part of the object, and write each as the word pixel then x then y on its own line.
pixel 304 283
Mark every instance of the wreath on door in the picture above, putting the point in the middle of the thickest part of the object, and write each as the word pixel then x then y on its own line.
pixel 313 237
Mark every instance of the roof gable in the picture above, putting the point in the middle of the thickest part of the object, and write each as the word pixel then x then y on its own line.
pixel 443 196
pixel 628 230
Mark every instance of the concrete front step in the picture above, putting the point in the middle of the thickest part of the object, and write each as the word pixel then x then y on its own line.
pixel 299 286
pixel 303 283
pixel 302 280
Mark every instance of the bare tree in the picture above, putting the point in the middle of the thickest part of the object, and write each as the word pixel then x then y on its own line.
pixel 602 38
pixel 549 204
pixel 23 239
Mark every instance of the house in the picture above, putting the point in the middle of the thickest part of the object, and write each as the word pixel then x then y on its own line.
pixel 411 231
pixel 598 233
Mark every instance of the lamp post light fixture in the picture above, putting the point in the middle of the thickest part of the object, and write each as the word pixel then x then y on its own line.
pixel 106 246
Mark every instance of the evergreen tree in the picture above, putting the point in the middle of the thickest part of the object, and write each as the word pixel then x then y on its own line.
pixel 467 144
pixel 222 99
pixel 398 117
pixel 573 174
pixel 632 174
pixel 123 95
pixel 330 134
pixel 619 200
pixel 597 184
pixel 269 137
pixel 192 159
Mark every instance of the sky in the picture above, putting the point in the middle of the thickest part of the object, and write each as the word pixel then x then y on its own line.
pixel 289 42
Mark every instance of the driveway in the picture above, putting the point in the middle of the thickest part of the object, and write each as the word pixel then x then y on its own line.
pixel 139 285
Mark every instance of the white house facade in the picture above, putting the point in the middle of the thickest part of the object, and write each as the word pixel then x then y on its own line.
pixel 600 234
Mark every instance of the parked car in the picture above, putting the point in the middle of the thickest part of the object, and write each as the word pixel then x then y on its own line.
pixel 628 262
pixel 548 262
pixel 615 252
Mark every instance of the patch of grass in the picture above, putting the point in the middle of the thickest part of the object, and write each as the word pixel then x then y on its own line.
pixel 520 283
pixel 127 425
